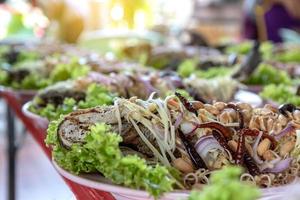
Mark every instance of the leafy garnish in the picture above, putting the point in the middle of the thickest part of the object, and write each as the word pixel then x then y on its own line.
pixel 289 56
pixel 183 92
pixel 243 48
pixel 225 185
pixel 34 80
pixel 101 153
pixel 96 95
pixel 281 93
pixel 189 66
pixel 240 48
pixel 267 74
pixel 67 71
pixel 213 72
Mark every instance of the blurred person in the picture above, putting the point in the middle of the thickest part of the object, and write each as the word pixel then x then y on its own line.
pixel 264 19
pixel 66 19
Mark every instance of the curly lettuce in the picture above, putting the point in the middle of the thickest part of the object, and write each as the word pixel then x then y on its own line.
pixel 4 78
pixel 267 74
pixel 240 48
pixel 243 48
pixel 101 153
pixel 96 95
pixel 225 185
pixel 189 67
pixel 289 56
pixel 213 72
pixel 32 81
pixel 281 94
pixel 67 71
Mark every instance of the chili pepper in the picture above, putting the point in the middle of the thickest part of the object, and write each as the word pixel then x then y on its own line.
pixel 240 152
pixel 195 157
pixel 186 103
pixel 222 140
pixel 253 132
pixel 240 114
pixel 284 108
pixel 250 164
pixel 213 125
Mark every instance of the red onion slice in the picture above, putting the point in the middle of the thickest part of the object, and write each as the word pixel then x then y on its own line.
pixel 205 144
pixel 288 129
pixel 254 147
pixel 280 166
pixel 178 120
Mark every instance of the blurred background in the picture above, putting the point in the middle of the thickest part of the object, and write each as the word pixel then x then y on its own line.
pixel 92 22
pixel 111 27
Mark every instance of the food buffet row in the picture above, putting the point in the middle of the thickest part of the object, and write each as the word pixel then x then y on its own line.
pixel 166 120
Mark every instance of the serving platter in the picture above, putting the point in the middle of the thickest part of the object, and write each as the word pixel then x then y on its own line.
pixel 97 181
pixel 39 121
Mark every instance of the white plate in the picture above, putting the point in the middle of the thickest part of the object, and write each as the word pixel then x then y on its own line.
pixel 248 97
pixel 39 121
pixel 97 181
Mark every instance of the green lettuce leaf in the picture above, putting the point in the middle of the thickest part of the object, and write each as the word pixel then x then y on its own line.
pixel 289 56
pixel 214 72
pixel 101 153
pixel 267 74
pixel 33 81
pixel 189 66
pixel 281 94
pixel 96 95
pixel 3 77
pixel 67 71
pixel 225 185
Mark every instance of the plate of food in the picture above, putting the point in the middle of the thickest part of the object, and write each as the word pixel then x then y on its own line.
pixel 26 68
pixel 97 89
pixel 166 147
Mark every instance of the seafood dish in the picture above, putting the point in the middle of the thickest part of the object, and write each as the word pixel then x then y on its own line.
pixel 179 143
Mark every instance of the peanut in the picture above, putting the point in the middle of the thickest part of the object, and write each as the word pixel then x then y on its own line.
pixel 182 165
pixel 263 146
pixel 262 125
pixel 244 106
pixel 233 145
pixel 286 148
pixel 282 120
pixel 211 109
pixel 219 105
pixel 268 155
pixel 253 124
pixel 296 115
pixel 225 118
pixel 197 105
pixel 271 108
pixel 232 114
